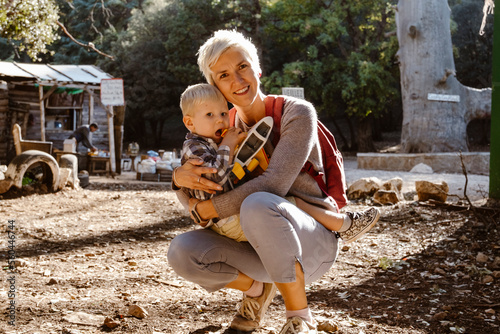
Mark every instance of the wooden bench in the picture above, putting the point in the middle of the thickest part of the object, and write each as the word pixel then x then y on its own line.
pixel 25 145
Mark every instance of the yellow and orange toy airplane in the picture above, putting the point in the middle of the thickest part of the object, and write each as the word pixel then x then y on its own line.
pixel 251 158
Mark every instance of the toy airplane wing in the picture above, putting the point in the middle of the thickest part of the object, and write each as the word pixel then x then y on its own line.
pixel 251 159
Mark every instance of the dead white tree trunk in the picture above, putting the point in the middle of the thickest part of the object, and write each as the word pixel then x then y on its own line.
pixel 431 122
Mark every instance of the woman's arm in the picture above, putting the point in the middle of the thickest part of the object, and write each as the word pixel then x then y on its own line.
pixel 297 141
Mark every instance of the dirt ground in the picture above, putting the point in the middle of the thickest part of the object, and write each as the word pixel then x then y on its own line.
pixel 83 255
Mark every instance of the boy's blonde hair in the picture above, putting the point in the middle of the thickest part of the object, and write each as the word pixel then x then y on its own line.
pixel 214 47
pixel 194 95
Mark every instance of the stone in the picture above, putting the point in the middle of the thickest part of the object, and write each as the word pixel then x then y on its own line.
pixel 137 311
pixel 21 263
pixel 440 271
pixel 481 257
pixel 64 175
pixel 487 279
pixel 110 323
pixel 428 190
pixel 496 263
pixel 53 281
pixel 422 168
pixel 386 197
pixel 82 318
pixel 70 161
pixel 393 184
pixel 327 326
pixel 364 187
pixel 410 195
pixel 439 316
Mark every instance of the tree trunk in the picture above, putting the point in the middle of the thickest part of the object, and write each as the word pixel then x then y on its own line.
pixel 364 138
pixel 432 123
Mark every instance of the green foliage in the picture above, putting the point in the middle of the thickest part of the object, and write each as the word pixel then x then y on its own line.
pixel 156 56
pixel 341 52
pixel 94 21
pixel 337 51
pixel 32 23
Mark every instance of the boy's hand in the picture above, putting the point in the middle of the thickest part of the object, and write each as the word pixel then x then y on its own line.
pixel 232 137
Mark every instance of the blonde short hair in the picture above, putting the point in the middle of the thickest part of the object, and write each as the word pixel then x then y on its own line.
pixel 214 47
pixel 194 95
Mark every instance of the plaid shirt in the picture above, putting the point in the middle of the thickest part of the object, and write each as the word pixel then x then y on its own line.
pixel 196 146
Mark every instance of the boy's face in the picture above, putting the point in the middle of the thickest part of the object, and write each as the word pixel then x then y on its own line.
pixel 209 120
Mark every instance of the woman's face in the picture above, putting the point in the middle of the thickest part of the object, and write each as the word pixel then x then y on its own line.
pixel 236 79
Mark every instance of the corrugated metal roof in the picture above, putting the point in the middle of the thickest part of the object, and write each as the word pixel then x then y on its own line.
pixel 77 74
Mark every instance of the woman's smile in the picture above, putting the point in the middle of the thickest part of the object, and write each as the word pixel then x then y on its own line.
pixel 242 91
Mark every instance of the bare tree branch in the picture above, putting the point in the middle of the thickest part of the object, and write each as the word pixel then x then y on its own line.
pixel 88 45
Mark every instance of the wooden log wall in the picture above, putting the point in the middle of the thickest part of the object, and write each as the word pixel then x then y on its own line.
pixel 11 112
pixel 4 124
pixel 20 104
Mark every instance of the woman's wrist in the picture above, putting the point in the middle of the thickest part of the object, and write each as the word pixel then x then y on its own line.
pixel 197 217
pixel 206 210
pixel 174 181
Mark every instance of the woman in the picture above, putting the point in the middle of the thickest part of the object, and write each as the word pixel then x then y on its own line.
pixel 286 248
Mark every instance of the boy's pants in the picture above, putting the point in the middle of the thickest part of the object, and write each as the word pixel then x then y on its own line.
pixel 279 234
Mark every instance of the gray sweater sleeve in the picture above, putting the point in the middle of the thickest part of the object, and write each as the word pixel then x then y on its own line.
pixel 298 143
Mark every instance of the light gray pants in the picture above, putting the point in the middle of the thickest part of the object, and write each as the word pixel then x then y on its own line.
pixel 278 234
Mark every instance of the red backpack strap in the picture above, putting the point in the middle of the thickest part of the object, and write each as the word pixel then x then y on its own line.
pixel 232 116
pixel 274 108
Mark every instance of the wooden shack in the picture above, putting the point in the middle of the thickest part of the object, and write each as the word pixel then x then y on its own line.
pixel 49 102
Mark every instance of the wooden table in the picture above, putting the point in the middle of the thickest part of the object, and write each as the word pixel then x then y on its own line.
pixel 99 162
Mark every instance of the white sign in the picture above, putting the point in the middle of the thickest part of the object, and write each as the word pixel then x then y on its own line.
pixel 112 92
pixel 297 92
pixel 443 97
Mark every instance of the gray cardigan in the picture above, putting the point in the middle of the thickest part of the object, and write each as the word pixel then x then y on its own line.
pixel 298 143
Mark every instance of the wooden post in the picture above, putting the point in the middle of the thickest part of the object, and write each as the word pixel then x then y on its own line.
pixel 495 110
pixel 118 120
pixel 91 108
pixel 42 113
pixel 111 137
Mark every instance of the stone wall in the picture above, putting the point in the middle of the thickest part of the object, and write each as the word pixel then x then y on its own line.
pixel 475 162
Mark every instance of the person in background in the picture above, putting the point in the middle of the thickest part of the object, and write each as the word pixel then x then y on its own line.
pixel 82 135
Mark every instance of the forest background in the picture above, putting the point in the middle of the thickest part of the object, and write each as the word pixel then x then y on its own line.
pixel 343 53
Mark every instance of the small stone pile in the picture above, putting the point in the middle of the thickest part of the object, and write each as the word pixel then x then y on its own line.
pixel 390 192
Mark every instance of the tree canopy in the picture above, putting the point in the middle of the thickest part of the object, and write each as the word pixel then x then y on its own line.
pixel 30 24
pixel 343 53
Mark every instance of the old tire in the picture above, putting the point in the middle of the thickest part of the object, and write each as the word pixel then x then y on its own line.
pixel 22 163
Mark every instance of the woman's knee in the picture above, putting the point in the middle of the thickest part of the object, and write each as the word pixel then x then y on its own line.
pixel 256 204
pixel 258 211
pixel 177 251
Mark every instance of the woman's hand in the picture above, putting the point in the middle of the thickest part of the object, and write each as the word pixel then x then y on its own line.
pixel 189 176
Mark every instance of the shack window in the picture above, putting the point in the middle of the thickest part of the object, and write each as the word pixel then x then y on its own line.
pixel 63 109
pixel 62 119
